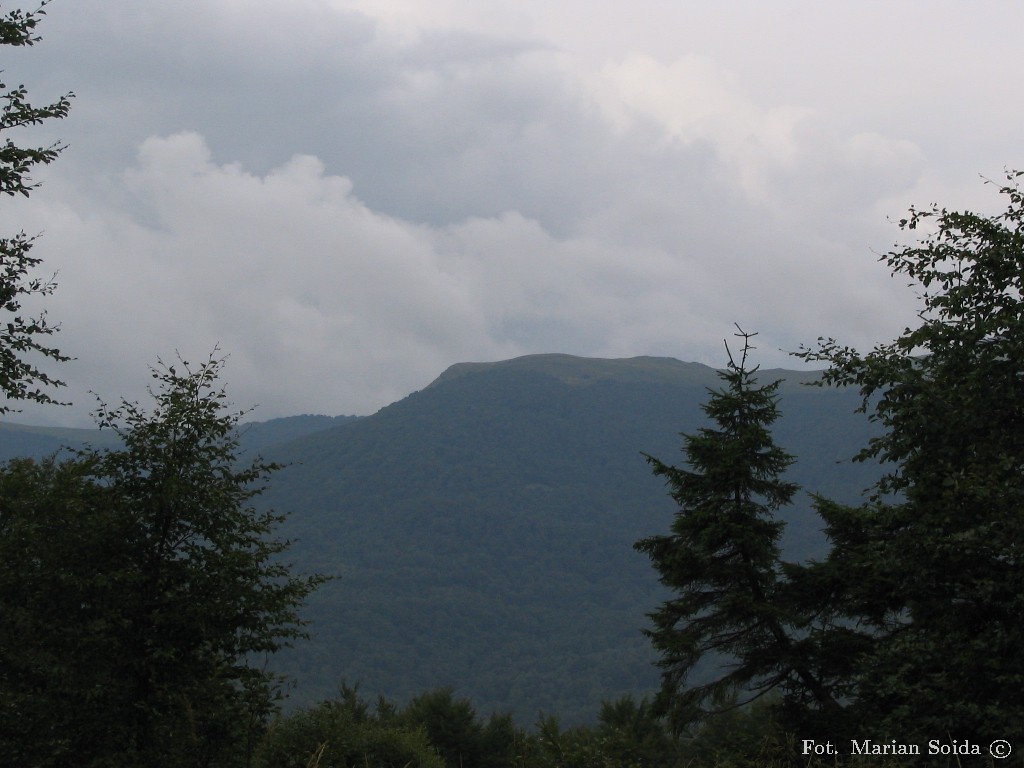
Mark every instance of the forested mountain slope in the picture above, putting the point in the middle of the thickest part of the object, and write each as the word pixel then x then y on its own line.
pixel 482 528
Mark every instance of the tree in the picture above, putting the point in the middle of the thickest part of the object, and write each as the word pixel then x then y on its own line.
pixel 930 569
pixel 57 548
pixel 721 559
pixel 142 592
pixel 21 337
pixel 632 734
pixel 344 732
pixel 451 726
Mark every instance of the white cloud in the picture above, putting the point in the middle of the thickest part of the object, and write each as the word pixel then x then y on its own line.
pixel 316 297
pixel 775 155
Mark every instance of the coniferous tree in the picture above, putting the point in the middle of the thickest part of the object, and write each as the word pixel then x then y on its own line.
pixel 451 725
pixel 721 559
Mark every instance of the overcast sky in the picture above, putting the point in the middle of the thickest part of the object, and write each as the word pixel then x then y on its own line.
pixel 348 196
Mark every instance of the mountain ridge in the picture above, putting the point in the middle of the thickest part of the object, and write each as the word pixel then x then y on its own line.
pixel 482 528
pixel 573 369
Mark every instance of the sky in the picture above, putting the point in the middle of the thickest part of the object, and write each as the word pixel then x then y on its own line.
pixel 345 197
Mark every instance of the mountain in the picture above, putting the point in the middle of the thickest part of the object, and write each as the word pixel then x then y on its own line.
pixel 481 530
pixel 259 436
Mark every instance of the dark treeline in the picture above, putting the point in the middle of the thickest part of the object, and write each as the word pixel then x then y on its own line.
pixel 437 729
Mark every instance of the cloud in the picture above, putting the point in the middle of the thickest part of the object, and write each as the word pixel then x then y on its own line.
pixel 774 154
pixel 318 299
pixel 350 196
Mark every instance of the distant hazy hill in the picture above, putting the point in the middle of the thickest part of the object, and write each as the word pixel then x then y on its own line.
pixel 259 436
pixel 482 528
pixel 23 440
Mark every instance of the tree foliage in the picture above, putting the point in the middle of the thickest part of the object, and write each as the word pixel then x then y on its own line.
pixel 451 725
pixel 22 337
pixel 721 559
pixel 142 592
pixel 930 568
pixel 433 729
pixel 344 731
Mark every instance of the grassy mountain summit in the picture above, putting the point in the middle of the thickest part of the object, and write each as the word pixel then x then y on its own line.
pixel 588 370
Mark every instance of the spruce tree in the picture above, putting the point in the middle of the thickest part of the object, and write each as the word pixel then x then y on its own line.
pixel 721 559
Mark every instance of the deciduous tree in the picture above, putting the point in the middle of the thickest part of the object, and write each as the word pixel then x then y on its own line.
pixel 931 568
pixel 22 337
pixel 142 592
